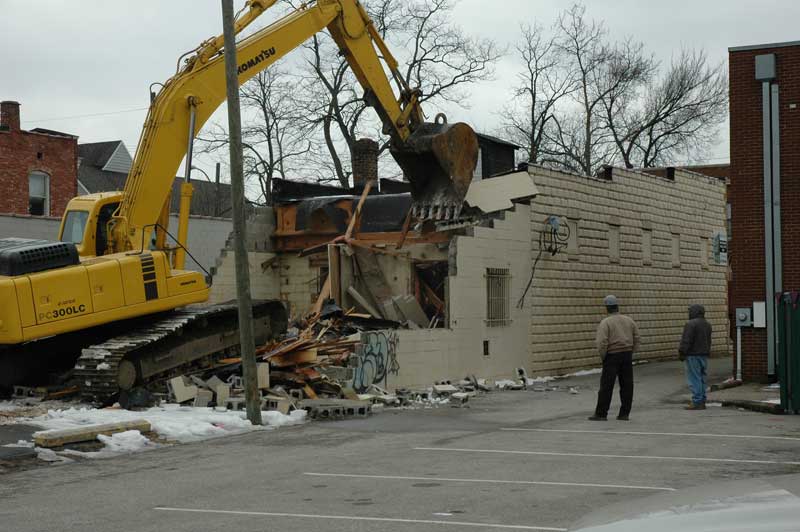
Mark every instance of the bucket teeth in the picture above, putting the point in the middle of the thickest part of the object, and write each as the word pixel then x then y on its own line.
pixel 435 211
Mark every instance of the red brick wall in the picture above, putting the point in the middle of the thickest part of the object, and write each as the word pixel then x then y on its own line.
pixel 22 152
pixel 365 161
pixel 746 189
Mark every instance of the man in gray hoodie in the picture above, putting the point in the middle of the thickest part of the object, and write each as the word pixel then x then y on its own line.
pixel 694 350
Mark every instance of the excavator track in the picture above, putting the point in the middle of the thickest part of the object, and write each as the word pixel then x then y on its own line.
pixel 183 341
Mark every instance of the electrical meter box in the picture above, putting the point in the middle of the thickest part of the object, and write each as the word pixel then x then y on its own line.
pixel 759 314
pixel 744 317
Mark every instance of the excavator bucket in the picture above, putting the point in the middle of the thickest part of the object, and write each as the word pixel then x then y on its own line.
pixel 438 160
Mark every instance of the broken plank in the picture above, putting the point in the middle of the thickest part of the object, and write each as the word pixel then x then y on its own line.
pixel 59 437
pixel 372 275
pixel 411 309
pixel 361 300
pixel 406 227
pixel 324 294
pixel 295 357
pixel 357 213
pixel 309 392
pixel 335 274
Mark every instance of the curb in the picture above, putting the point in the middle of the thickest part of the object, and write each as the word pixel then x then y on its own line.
pixel 725 385
pixel 755 406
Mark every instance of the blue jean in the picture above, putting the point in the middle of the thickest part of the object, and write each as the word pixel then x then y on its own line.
pixel 696 367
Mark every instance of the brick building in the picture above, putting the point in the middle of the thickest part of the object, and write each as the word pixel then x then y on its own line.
pixel 38 168
pixel 764 98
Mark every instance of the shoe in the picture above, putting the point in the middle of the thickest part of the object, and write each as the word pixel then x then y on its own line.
pixel 695 406
pixel 598 418
pixel 623 418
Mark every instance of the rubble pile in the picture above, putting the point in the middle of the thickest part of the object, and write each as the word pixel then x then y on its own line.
pixel 314 367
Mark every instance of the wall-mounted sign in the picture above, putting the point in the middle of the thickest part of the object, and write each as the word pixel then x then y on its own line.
pixel 721 248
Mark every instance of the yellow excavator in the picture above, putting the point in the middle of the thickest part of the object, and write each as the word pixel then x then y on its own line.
pixel 114 293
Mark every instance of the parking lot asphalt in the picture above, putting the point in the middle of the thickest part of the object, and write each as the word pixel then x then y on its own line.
pixel 522 460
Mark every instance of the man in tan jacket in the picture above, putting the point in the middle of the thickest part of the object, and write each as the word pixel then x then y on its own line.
pixel 617 340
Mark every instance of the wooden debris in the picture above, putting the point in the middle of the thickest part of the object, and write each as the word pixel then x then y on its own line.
pixel 357 214
pixel 294 358
pixel 361 300
pixel 57 438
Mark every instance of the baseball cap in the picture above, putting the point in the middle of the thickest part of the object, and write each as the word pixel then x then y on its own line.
pixel 610 301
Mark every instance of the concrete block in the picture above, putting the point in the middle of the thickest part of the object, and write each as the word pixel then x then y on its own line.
pixel 444 389
pixel 222 392
pixel 197 381
pixel 263 375
pixel 203 398
pixel 181 391
pixel 236 403
pixel 213 382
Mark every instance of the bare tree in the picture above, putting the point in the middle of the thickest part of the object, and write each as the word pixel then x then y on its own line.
pixel 440 59
pixel 679 113
pixel 600 69
pixel 272 140
pixel 443 59
pixel 620 106
pixel 542 84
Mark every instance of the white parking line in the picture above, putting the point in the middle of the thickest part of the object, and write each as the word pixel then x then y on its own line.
pixel 360 518
pixel 690 434
pixel 637 457
pixel 488 481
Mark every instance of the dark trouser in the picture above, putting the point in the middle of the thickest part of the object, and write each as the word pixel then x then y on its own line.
pixel 616 365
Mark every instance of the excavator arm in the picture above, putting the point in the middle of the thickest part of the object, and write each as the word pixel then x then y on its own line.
pixel 438 159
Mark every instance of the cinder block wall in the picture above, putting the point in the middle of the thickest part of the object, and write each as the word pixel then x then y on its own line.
pixel 655 290
pixel 27 226
pixel 207 236
pixel 428 355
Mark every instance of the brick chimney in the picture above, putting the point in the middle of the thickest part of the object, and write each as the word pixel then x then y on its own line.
pixel 365 162
pixel 9 116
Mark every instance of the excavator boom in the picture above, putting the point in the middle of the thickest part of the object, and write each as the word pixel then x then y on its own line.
pixel 438 159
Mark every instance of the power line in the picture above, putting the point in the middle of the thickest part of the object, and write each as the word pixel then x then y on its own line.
pixel 88 116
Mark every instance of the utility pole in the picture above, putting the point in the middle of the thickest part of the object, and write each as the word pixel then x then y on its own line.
pixel 216 190
pixel 249 371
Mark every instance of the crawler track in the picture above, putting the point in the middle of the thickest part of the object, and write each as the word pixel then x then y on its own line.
pixel 181 341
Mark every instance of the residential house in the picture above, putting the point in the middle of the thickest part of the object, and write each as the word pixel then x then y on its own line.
pixel 104 167
pixel 37 167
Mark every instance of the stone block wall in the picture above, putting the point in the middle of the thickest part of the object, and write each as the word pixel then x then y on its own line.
pixel 644 238
pixel 470 345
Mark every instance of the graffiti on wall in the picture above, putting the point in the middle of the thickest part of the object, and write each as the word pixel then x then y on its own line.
pixel 377 356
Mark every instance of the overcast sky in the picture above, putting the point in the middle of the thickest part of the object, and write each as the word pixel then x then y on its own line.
pixel 66 59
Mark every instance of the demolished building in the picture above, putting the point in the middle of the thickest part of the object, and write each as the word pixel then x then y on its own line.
pixel 515 282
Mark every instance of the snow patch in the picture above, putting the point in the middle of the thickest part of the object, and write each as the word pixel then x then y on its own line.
pixel 503 383
pixel 49 455
pixel 172 422
pixel 103 365
pixel 584 372
pixel 21 443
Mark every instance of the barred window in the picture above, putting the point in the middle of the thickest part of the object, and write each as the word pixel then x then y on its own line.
pixel 498 297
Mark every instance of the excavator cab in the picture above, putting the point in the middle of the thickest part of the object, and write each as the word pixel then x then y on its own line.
pixel 438 160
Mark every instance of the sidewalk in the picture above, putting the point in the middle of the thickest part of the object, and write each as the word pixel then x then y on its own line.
pixel 752 396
